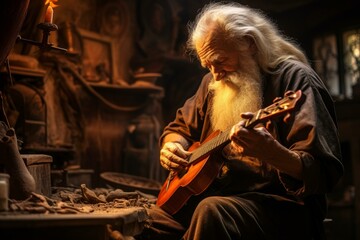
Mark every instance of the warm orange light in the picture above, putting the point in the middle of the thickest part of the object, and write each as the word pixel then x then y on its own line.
pixel 49 14
pixel 51 3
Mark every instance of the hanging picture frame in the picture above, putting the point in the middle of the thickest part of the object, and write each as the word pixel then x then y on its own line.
pixel 97 57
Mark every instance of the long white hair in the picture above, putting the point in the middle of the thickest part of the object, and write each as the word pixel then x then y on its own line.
pixel 238 22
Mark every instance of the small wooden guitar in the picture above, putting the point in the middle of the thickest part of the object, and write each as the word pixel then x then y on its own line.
pixel 202 169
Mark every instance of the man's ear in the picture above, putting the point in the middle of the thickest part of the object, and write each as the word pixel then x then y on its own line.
pixel 252 45
pixel 248 44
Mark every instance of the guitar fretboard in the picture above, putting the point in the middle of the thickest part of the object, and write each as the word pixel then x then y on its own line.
pixel 208 147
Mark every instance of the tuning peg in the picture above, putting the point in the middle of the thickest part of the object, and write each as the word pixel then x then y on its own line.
pixel 288 93
pixel 277 99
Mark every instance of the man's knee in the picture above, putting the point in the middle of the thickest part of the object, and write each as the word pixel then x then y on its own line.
pixel 209 207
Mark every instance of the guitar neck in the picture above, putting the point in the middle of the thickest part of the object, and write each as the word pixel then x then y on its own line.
pixel 210 146
pixel 280 107
pixel 220 140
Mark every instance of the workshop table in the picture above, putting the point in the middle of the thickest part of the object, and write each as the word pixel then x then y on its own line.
pixel 89 226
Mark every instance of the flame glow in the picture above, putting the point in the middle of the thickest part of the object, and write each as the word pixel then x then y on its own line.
pixel 52 3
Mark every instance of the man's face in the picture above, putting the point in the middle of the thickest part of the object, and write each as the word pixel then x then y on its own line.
pixel 219 57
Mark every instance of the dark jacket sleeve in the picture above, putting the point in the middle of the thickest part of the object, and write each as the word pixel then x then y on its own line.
pixel 313 134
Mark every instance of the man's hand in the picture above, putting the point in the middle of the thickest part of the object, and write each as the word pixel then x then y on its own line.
pixel 259 143
pixel 173 156
pixel 254 142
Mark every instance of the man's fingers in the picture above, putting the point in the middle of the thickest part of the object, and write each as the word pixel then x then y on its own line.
pixel 177 149
pixel 247 115
pixel 175 153
pixel 172 157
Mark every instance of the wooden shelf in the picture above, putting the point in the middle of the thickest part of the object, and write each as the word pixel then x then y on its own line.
pixel 134 88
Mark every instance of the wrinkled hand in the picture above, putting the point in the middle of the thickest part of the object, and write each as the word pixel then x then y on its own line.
pixel 173 156
pixel 254 142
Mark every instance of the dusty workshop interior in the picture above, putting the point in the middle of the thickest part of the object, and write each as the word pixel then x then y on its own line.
pixel 89 85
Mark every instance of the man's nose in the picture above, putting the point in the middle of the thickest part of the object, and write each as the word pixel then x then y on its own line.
pixel 217 73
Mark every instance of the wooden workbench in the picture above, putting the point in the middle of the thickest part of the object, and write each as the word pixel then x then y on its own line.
pixel 91 226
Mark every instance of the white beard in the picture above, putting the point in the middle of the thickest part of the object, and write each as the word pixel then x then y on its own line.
pixel 236 94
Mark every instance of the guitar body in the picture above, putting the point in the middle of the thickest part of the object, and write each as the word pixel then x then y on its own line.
pixel 197 178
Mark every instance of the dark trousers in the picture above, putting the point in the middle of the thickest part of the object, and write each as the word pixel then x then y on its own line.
pixel 249 216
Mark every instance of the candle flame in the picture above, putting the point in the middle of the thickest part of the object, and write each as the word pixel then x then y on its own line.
pixel 52 3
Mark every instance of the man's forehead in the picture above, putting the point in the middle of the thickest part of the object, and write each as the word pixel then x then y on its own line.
pixel 211 46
